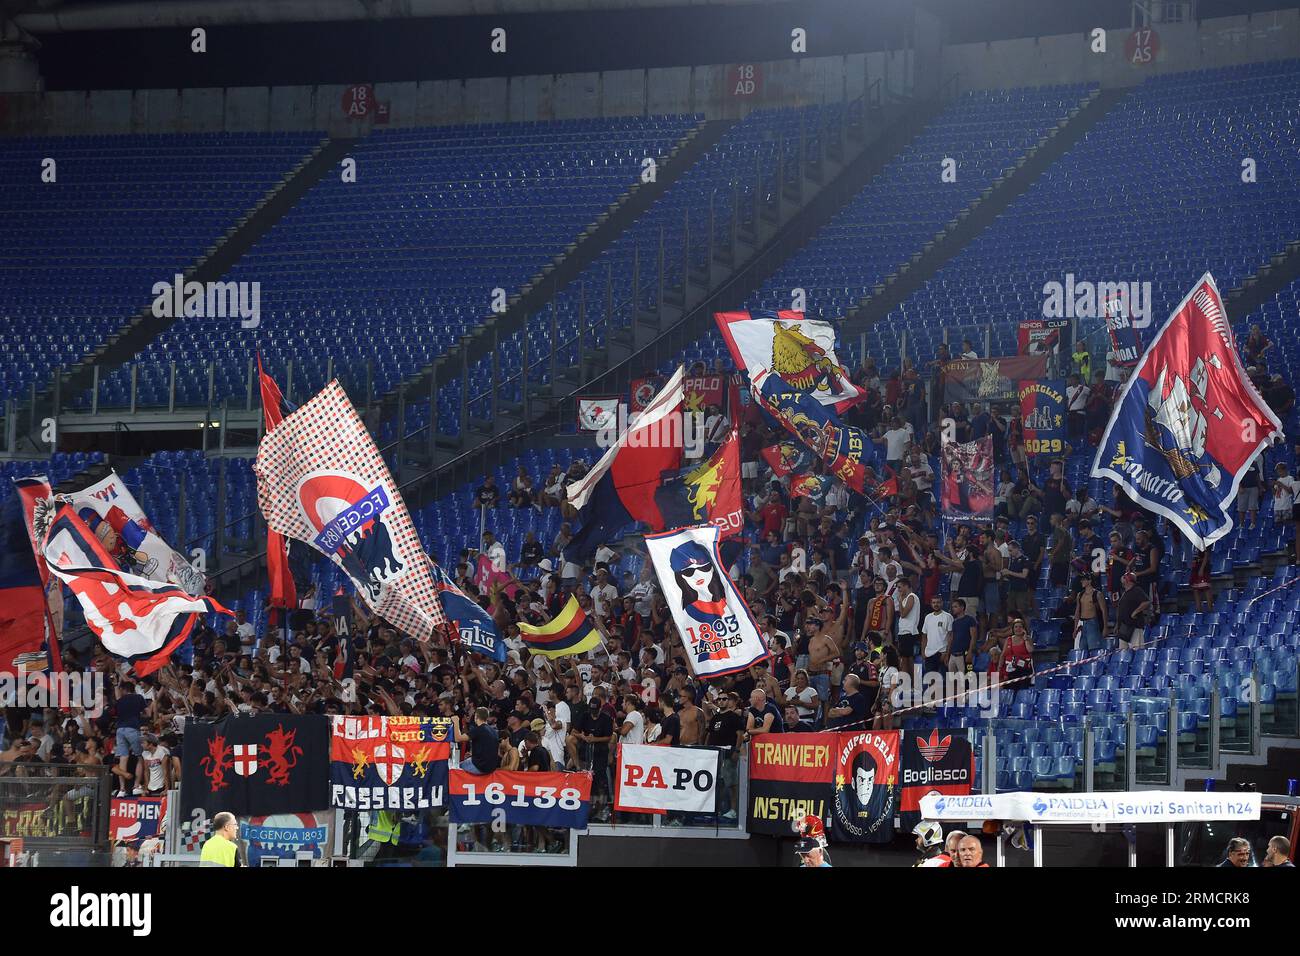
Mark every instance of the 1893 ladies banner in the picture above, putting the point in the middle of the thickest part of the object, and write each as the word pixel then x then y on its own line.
pixel 719 632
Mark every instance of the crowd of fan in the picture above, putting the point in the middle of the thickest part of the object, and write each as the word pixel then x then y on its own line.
pixel 856 596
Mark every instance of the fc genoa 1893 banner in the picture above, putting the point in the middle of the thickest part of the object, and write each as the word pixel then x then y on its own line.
pixel 389 763
pixel 530 799
pixel 658 779
pixel 866 786
pixel 790 777
pixel 273 763
pixel 940 763
pixel 716 626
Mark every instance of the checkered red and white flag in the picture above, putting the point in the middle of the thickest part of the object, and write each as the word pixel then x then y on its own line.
pixel 320 479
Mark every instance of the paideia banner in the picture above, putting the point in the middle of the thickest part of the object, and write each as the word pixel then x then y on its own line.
pixel 1140 806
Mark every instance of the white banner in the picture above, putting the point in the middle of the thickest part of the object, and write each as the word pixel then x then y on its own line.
pixel 659 779
pixel 595 414
pixel 715 624
pixel 1141 806
pixel 111 511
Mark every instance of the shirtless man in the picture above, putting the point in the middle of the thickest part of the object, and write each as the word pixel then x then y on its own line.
pixel 691 718
pixel 823 655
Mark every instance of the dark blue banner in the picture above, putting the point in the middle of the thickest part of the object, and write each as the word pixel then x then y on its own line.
pixel 530 799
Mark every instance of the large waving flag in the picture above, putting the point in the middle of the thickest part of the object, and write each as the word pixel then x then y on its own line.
pixel 620 488
pixel 1189 422
pixel 110 511
pixel 708 491
pixel 569 632
pixel 283 592
pixel 801 351
pixel 321 480
pixel 844 449
pixel 134 617
pixel 715 624
pixel 470 624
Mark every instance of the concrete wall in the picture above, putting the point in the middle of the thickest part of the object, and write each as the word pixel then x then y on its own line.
pixel 700 89
pixel 1069 59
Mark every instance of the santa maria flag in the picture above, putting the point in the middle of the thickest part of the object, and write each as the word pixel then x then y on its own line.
pixel 801 351
pixel 620 488
pixel 1189 422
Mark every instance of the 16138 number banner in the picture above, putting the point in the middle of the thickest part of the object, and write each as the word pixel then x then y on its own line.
pixel 530 799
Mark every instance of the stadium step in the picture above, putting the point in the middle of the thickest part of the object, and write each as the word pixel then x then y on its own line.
pixel 971 221
pixel 144 327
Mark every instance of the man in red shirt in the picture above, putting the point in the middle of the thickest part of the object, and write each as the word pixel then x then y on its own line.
pixel 772 515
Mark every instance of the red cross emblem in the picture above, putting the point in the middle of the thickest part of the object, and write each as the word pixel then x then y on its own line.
pixel 390 760
pixel 245 759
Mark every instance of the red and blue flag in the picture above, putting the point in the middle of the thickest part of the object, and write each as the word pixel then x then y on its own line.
pixel 470 623
pixel 1188 423
pixel 529 799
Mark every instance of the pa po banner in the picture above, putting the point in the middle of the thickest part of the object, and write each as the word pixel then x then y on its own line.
pixel 866 786
pixel 1125 337
pixel 530 799
pixel 791 776
pixel 598 413
pixel 321 480
pixel 967 487
pixel 1042 413
pixel 389 763
pixel 716 626
pixel 991 379
pixel 658 779
pixel 263 764
pixel 941 763
pixel 283 836
pixel 1041 336
pixel 131 819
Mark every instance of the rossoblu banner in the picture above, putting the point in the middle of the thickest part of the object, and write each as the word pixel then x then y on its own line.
pixel 658 779
pixel 1143 806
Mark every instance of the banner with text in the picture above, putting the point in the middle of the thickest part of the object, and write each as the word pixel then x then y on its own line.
pixel 790 777
pixel 658 779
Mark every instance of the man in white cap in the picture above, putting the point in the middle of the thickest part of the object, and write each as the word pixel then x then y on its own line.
pixel 929 842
